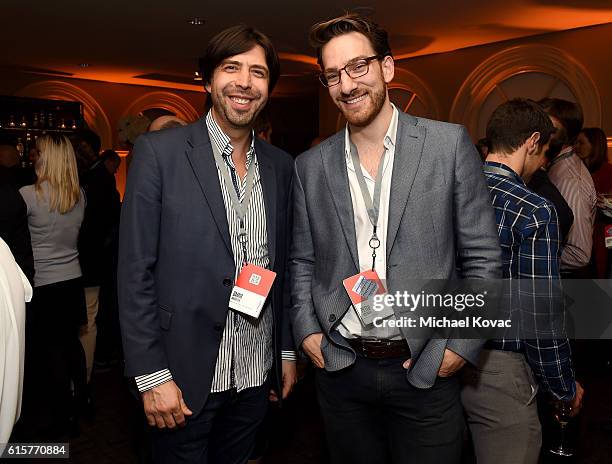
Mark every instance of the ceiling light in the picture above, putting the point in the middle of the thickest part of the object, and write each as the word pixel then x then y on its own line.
pixel 196 21
pixel 196 76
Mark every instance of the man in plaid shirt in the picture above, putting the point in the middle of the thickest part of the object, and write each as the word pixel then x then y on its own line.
pixel 499 394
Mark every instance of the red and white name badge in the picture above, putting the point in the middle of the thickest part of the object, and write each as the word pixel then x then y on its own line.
pixel 251 290
pixel 361 289
pixel 608 235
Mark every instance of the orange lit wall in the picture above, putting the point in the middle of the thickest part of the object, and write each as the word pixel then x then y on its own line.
pixel 444 73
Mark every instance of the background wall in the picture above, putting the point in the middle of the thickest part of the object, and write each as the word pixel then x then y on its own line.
pixel 441 76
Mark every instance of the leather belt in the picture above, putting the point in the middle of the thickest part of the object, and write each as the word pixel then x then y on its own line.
pixel 380 349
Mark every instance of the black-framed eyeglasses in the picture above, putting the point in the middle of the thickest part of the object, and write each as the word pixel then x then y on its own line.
pixel 354 70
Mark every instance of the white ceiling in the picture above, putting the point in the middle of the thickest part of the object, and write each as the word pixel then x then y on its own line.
pixel 123 39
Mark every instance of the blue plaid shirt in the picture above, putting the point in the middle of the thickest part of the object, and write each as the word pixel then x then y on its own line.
pixel 529 237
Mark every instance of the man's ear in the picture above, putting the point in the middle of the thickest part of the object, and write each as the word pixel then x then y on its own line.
pixel 532 143
pixel 388 68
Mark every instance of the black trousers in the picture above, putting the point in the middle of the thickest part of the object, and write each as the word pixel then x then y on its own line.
pixel 372 415
pixel 222 433
pixel 54 359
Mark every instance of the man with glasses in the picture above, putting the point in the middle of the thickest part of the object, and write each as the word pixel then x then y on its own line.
pixel 390 199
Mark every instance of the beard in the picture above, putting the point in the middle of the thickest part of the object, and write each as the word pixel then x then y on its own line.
pixel 367 114
pixel 236 118
pixel 558 139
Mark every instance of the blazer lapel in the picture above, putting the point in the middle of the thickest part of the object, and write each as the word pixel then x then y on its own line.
pixel 267 175
pixel 408 151
pixel 334 164
pixel 200 156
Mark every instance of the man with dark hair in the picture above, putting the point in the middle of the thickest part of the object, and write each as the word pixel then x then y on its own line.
pixel 111 160
pixel 572 178
pixel 385 395
pixel 499 394
pixel 203 237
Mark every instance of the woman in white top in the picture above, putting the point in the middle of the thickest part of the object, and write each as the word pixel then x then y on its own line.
pixel 54 356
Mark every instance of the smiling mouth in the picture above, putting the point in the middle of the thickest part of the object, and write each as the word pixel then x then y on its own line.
pixel 352 101
pixel 241 100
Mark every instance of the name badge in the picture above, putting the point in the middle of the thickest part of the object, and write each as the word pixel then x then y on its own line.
pixel 361 289
pixel 608 235
pixel 251 290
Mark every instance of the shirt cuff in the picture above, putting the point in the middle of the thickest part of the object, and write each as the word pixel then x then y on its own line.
pixel 149 381
pixel 288 355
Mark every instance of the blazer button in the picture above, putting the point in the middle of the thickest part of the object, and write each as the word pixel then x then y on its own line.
pixel 332 318
pixel 227 282
pixel 218 327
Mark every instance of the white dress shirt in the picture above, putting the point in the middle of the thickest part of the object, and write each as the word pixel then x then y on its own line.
pixel 350 326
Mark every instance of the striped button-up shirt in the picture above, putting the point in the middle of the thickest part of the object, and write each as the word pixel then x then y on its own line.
pixel 529 237
pixel 245 353
pixel 572 178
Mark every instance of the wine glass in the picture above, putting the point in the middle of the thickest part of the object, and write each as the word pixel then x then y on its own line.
pixel 561 414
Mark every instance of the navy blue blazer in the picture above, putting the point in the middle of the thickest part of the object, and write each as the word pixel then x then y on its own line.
pixel 176 266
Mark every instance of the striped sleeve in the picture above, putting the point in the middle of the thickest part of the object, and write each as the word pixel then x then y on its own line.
pixel 149 381
pixel 289 355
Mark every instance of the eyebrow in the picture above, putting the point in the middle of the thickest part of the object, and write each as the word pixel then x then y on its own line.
pixel 351 61
pixel 240 63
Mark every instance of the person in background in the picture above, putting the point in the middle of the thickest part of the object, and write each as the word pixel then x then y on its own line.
pixel 15 291
pixel 54 356
pixel 13 212
pixel 572 178
pixel 111 160
pixel 263 127
pixel 166 122
pixel 100 225
pixel 591 147
pixel 541 184
pixel 499 395
pixel 86 144
pixel 483 147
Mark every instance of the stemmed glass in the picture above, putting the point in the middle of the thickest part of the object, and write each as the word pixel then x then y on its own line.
pixel 561 414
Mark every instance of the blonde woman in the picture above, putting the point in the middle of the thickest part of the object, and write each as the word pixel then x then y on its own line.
pixel 54 357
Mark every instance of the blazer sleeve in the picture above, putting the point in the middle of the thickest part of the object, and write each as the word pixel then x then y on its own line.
pixel 478 249
pixel 301 265
pixel 138 242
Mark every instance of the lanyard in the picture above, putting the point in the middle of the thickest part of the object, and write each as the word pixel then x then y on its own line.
pixel 372 204
pixel 498 171
pixel 239 207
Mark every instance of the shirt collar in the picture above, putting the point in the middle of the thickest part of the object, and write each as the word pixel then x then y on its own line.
pixel 511 174
pixel 223 142
pixel 390 137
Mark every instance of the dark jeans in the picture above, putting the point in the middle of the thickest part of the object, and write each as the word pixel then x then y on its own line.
pixel 223 432
pixel 373 415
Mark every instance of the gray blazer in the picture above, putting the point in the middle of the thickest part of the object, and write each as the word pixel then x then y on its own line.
pixel 441 226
